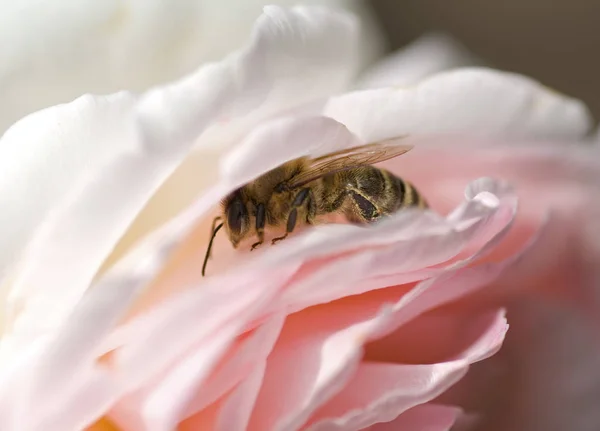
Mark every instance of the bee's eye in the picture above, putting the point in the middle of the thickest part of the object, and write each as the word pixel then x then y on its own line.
pixel 236 213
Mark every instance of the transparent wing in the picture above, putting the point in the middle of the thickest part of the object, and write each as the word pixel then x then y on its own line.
pixel 347 159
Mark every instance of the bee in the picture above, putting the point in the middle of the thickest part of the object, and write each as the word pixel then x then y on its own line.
pixel 303 189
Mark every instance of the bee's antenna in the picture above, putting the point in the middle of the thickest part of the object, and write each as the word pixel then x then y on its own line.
pixel 212 237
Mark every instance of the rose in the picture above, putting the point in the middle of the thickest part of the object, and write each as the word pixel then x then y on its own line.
pixel 57 51
pixel 129 329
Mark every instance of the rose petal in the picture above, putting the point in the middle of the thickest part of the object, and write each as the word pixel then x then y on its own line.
pixel 309 337
pixel 43 157
pixel 232 412
pixel 426 417
pixel 379 392
pixel 476 101
pixel 237 410
pixel 429 54
pixel 323 347
pixel 162 408
pixel 91 217
pixel 187 319
pixel 59 369
pixel 196 381
pixel 245 358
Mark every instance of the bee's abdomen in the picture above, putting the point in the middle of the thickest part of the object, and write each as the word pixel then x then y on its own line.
pixel 406 195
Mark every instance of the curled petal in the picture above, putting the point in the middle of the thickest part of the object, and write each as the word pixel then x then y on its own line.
pixel 44 156
pixel 195 382
pixel 296 56
pixel 472 100
pixel 381 392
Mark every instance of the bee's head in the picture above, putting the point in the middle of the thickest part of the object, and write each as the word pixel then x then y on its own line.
pixel 236 218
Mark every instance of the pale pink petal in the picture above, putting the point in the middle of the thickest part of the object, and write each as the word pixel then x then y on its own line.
pixel 429 54
pixel 315 355
pixel 189 318
pixel 426 417
pixel 549 179
pixel 379 392
pixel 306 346
pixel 240 362
pixel 472 100
pixel 46 154
pixel 231 412
pixel 160 408
pixel 201 377
pixel 65 364
pixel 237 409
pixel 96 215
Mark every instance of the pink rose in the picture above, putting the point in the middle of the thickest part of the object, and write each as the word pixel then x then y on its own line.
pixel 110 323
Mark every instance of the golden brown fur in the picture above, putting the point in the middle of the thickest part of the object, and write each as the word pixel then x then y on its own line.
pixel 299 191
pixel 382 191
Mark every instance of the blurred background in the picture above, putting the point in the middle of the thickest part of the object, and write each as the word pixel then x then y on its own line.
pixel 557 43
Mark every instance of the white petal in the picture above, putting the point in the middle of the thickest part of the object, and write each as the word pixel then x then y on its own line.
pixel 295 57
pixel 86 228
pixel 286 65
pixel 248 355
pixel 45 155
pixel 103 47
pixel 475 101
pixel 429 54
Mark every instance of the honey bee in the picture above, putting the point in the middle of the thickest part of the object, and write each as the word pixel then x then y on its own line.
pixel 303 189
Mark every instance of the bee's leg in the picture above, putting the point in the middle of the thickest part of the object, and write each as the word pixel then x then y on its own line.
pixel 311 212
pixel 212 229
pixel 260 225
pixel 304 197
pixel 363 209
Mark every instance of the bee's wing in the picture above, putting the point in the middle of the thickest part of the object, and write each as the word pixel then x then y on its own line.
pixel 347 159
